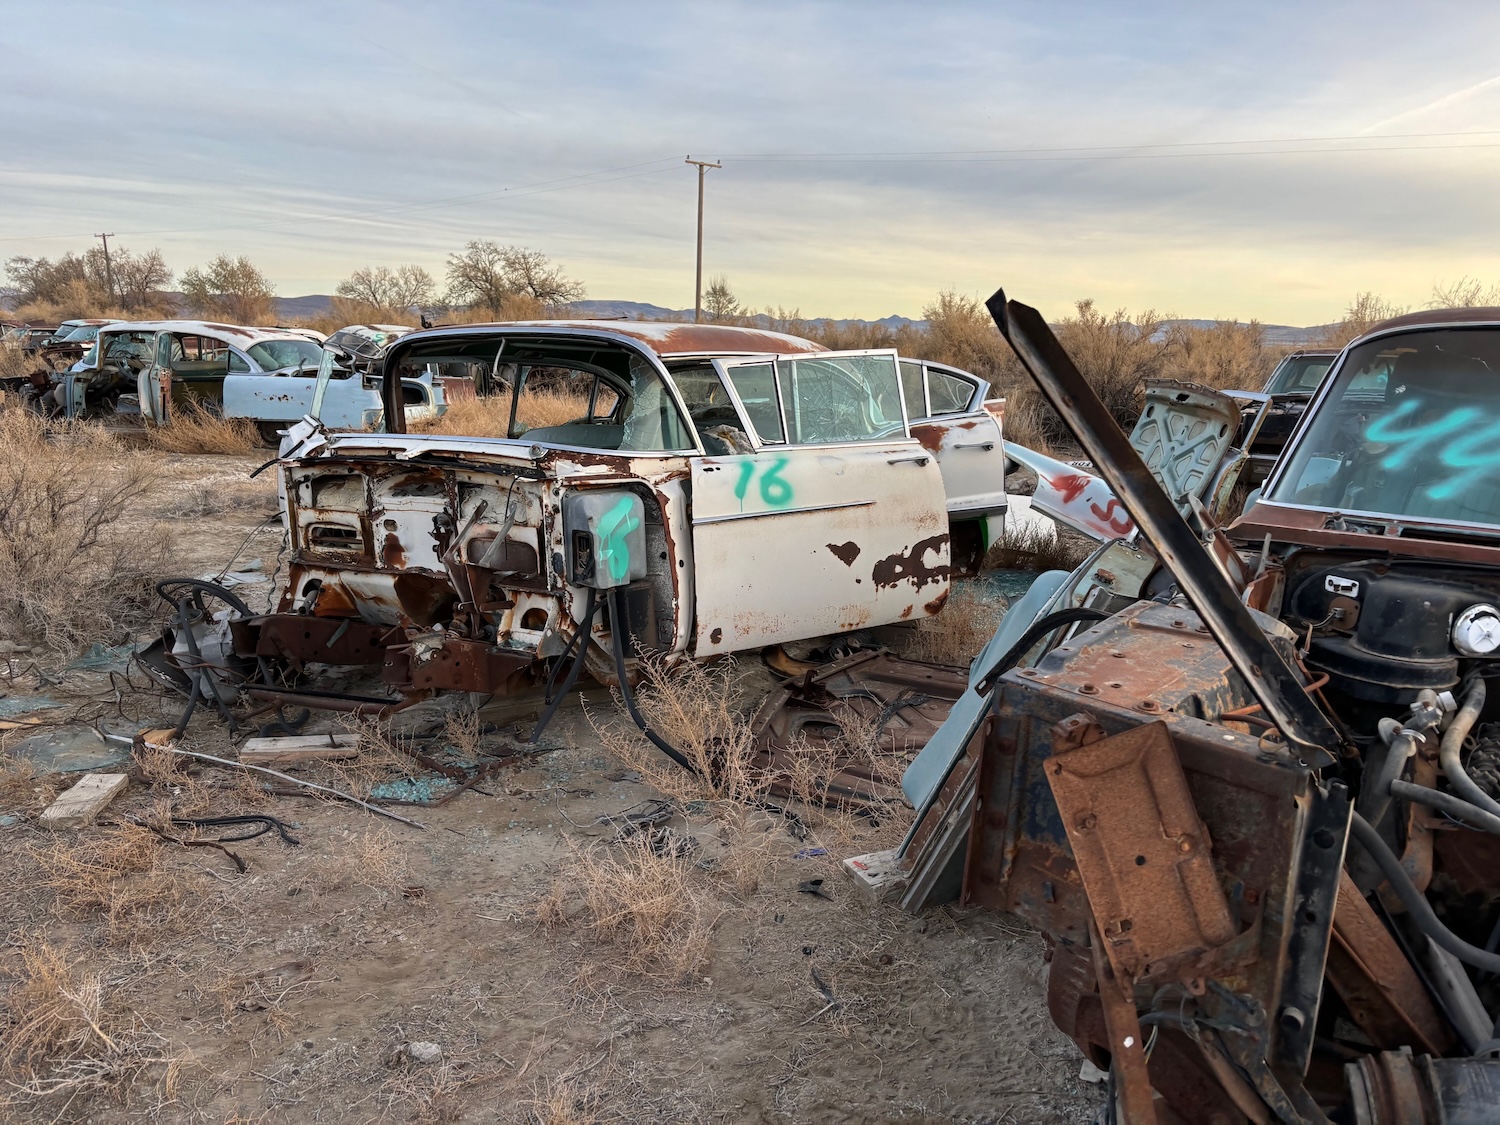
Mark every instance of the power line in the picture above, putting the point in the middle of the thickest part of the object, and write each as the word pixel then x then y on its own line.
pixel 1086 152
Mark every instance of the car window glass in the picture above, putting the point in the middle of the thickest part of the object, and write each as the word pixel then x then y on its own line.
pixel 949 395
pixel 275 355
pixel 237 362
pixel 755 383
pixel 1411 427
pixel 827 400
pixel 911 387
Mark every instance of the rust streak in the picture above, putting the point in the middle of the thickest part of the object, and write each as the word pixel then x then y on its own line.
pixel 846 553
pixel 912 566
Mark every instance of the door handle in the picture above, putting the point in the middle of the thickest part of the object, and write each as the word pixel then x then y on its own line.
pixel 918 459
pixel 984 445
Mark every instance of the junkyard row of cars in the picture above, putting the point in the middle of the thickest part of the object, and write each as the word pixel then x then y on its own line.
pixel 1239 767
pixel 134 370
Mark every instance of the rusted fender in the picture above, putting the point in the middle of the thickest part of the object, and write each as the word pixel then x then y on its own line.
pixel 1073 497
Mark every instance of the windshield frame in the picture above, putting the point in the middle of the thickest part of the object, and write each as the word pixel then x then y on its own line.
pixel 1282 470
pixel 395 353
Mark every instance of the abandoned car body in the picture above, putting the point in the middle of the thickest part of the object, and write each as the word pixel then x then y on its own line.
pixel 1166 787
pixel 265 375
pixel 663 488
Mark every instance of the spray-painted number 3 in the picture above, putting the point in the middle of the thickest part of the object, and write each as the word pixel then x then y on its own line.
pixel 775 489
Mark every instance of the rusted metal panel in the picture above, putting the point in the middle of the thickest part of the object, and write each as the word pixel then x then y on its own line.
pixel 303 639
pixel 813 540
pixel 1142 851
pixel 1385 997
pixel 447 663
pixel 666 338
pixel 896 704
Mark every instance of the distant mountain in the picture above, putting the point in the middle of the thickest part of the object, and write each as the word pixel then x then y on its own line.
pixel 320 304
pixel 295 308
pixel 1277 335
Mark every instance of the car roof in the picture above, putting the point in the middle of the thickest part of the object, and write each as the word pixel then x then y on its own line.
pixel 665 338
pixel 1434 318
pixel 233 333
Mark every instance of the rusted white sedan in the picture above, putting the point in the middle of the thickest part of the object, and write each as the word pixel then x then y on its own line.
pixel 669 489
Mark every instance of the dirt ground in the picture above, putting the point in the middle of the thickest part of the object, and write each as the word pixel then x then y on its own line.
pixel 467 971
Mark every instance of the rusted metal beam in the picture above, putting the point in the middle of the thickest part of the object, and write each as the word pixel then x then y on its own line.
pixel 1274 684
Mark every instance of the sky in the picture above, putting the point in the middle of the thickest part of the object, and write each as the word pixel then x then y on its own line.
pixel 1208 160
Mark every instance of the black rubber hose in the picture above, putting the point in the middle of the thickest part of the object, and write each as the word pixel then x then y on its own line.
pixel 589 608
pixel 1455 807
pixel 1416 903
pixel 562 657
pixel 617 642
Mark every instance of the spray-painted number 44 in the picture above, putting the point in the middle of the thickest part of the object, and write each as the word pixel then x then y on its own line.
pixel 775 489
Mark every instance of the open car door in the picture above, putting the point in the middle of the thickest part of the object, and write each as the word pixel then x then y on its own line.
pixel 835 521
pixel 154 383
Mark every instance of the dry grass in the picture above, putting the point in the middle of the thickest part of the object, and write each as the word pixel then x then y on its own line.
pixel 195 429
pixel 14 362
pixel 564 1102
pixel 63 1040
pixel 70 571
pixel 21 787
pixel 115 875
pixel 652 909
pixel 955 636
pixel 374 860
pixel 490 416
pixel 695 708
pixel 1031 546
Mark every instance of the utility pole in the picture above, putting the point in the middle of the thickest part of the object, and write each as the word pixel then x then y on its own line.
pixel 703 166
pixel 109 270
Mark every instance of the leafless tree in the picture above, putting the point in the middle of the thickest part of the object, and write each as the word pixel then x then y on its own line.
pixel 405 287
pixel 231 289
pixel 486 273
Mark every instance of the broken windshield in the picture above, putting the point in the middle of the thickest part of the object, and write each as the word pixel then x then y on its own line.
pixel 1411 427
pixel 273 355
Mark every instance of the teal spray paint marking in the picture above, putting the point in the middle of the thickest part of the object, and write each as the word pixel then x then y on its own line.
pixel 1474 456
pixel 614 528
pixel 775 490
pixel 741 486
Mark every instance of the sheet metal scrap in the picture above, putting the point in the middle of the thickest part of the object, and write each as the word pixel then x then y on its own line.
pixel 872 699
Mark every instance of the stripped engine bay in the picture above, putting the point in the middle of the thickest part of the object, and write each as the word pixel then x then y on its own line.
pixel 1245 780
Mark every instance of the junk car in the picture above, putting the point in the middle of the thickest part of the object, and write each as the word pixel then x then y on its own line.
pixel 655 489
pixel 1246 780
pixel 266 375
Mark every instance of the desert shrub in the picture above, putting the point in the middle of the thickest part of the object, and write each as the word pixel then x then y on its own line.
pixel 71 570
pixel 965 625
pixel 196 429
pixel 695 708
pixel 63 1038
pixel 490 415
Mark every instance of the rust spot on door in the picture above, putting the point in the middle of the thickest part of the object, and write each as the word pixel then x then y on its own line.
pixel 716 636
pixel 846 553
pixel 913 566
pixel 935 606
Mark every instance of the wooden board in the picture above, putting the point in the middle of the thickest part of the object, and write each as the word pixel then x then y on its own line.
pixel 79 805
pixel 299 748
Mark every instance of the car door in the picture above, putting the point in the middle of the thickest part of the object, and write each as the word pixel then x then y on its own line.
pixel 949 417
pixel 154 383
pixel 836 520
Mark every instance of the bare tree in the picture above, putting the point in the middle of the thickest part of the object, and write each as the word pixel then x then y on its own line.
pixel 405 287
pixel 719 302
pixel 229 289
pixel 486 273
pixel 36 280
pixel 141 278
pixel 1465 293
pixel 1363 313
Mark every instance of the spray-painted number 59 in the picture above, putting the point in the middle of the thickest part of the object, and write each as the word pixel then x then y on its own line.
pixel 775 489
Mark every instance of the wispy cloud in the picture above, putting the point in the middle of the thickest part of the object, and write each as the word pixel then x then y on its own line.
pixel 1447 101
